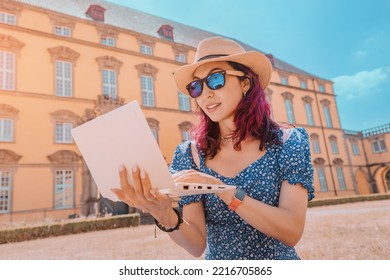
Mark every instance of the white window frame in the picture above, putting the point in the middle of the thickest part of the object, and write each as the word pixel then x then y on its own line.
pixel 155 133
pixel 109 80
pixel 321 88
pixel 5 191
pixel 64 78
pixel 303 84
pixel 63 31
pixel 355 147
pixel 63 188
pixel 334 146
pixel 147 89
pixel 108 41
pixel 63 134
pixel 7 70
pixel 289 111
pixel 145 49
pixel 328 117
pixel 184 102
pixel 8 18
pixel 6 130
pixel 309 114
pixel 181 57
pixel 316 145
pixel 322 178
pixel 340 177
pixel 284 80
pixel 378 146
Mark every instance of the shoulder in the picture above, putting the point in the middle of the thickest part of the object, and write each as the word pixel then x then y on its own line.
pixel 294 135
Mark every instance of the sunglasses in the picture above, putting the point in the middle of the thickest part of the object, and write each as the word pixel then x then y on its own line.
pixel 215 80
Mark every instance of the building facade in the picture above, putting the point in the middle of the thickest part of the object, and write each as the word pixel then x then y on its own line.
pixel 62 63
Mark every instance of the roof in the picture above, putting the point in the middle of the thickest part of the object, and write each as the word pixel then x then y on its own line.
pixel 144 23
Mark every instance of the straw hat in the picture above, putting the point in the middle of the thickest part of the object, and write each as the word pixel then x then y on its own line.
pixel 222 49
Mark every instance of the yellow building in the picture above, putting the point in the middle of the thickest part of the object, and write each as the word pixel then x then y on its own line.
pixel 62 63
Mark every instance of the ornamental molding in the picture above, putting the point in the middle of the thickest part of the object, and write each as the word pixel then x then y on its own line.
pixel 147 69
pixel 65 116
pixel 145 40
pixel 185 126
pixel 338 161
pixel 8 42
pixel 105 30
pixel 64 157
pixel 307 99
pixel 109 62
pixel 9 157
pixel 178 49
pixel 287 95
pixel 8 111
pixel 105 104
pixel 11 7
pixel 325 102
pixel 319 161
pixel 153 123
pixel 57 20
pixel 63 53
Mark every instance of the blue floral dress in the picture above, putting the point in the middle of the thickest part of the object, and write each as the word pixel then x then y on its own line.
pixel 229 236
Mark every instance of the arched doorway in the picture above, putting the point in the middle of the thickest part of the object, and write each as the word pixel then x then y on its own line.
pixel 362 183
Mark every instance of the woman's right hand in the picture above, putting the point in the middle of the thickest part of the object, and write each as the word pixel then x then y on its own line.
pixel 141 195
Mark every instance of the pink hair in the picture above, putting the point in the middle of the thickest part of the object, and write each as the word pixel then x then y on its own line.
pixel 252 117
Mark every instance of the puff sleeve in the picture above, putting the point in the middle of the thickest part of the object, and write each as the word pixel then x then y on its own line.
pixel 182 160
pixel 295 161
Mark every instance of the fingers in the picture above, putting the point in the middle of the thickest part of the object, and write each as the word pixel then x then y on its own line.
pixel 125 186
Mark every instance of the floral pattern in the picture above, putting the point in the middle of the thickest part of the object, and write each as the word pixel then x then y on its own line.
pixel 229 236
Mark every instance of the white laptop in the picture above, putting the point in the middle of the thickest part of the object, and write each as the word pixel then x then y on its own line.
pixel 123 136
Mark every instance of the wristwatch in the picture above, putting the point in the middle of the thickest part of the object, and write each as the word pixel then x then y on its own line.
pixel 237 199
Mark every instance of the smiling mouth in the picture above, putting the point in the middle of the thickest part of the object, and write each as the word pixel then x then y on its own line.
pixel 213 106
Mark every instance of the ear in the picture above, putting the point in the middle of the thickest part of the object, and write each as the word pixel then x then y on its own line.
pixel 246 84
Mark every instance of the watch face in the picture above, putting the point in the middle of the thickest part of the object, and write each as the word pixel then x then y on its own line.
pixel 240 194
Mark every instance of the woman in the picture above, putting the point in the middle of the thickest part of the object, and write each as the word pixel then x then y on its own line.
pixel 236 143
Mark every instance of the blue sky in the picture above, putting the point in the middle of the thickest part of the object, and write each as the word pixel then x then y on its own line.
pixel 345 41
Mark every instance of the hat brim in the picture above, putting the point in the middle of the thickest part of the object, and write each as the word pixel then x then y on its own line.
pixel 257 61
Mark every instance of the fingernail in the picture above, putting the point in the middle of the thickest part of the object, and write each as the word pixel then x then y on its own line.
pixel 143 174
pixel 153 193
pixel 135 168
pixel 121 167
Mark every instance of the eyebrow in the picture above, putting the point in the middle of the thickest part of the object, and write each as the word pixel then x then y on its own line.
pixel 217 68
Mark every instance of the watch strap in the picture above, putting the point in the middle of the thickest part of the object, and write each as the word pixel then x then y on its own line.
pixel 237 199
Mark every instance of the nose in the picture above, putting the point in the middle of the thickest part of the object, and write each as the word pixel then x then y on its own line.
pixel 207 92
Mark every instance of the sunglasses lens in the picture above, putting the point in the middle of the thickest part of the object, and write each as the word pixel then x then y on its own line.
pixel 216 80
pixel 195 88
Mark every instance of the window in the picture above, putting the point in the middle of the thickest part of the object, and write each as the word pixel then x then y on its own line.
pixel 328 117
pixel 96 12
pixel 7 70
pixel 333 144
pixel 5 191
pixel 184 102
pixel 166 31
pixel 185 135
pixel 109 83
pixel 154 126
pixel 355 147
pixel 290 111
pixel 62 31
pixel 322 178
pixel 147 91
pixel 378 146
pixel 303 84
pixel 309 113
pixel 284 80
pixel 63 134
pixel 7 18
pixel 340 177
pixel 63 193
pixel 108 41
pixel 146 50
pixel 6 130
pixel 315 143
pixel 321 88
pixel 181 57
pixel 64 78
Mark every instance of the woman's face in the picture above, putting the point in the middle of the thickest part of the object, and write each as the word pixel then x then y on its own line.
pixel 219 105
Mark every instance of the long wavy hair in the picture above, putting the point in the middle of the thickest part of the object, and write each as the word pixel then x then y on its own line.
pixel 251 117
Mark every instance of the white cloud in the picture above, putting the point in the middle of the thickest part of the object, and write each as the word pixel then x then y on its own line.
pixel 361 84
pixel 360 54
